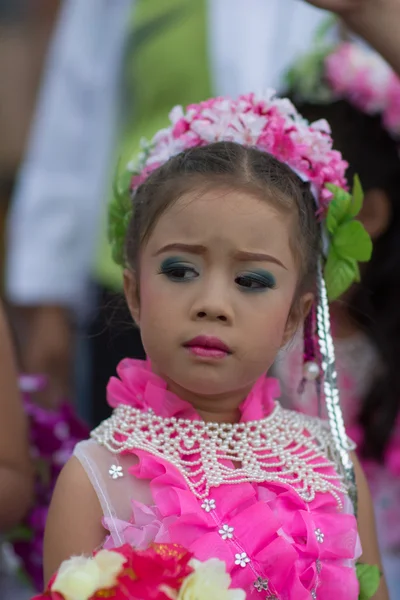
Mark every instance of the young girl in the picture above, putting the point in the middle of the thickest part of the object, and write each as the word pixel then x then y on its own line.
pixel 362 106
pixel 222 250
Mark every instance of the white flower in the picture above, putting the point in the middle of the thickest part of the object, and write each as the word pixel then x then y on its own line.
pixel 226 532
pixel 319 535
pixel 321 125
pixel 115 471
pixel 209 580
pixel 317 143
pixel 164 149
pixel 208 505
pixel 241 559
pixel 80 577
pixel 176 114
pixel 247 128
pixel 215 129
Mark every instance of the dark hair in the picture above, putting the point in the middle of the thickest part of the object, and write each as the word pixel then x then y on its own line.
pixel 226 164
pixel 375 304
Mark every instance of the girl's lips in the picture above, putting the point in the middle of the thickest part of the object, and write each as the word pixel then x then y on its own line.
pixel 208 347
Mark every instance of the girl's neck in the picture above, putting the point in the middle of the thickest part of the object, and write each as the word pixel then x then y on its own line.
pixel 223 408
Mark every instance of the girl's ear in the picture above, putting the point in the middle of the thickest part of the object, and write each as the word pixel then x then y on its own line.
pixel 297 316
pixel 131 290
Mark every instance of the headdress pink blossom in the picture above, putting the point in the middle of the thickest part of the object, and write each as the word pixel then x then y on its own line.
pixel 364 79
pixel 265 121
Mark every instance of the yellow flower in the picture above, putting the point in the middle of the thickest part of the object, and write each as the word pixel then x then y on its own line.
pixel 209 580
pixel 80 577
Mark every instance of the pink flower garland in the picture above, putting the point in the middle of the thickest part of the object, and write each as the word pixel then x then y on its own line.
pixel 366 81
pixel 269 123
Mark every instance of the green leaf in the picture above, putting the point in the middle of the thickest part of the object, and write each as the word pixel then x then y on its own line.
pixel 339 274
pixel 338 207
pixel 357 198
pixel 351 241
pixel 369 577
pixel 124 182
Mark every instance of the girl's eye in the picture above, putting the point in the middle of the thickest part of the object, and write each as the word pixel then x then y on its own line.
pixel 178 271
pixel 255 282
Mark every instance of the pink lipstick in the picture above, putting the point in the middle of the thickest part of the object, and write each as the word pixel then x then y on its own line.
pixel 208 347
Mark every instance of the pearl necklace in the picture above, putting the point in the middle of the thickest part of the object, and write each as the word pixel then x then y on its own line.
pixel 285 447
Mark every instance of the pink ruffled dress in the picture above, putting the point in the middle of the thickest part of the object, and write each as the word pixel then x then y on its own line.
pixel 358 366
pixel 280 520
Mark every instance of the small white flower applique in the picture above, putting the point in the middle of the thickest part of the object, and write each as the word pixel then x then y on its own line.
pixel 209 505
pixel 115 472
pixel 320 536
pixel 226 532
pixel 241 559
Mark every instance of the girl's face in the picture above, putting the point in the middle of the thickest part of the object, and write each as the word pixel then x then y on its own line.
pixel 217 282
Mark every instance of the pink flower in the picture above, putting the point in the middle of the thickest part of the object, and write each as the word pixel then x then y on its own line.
pixel 366 81
pixel 359 75
pixel 265 121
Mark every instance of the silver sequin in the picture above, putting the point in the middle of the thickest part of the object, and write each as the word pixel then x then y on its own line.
pixel 320 536
pixel 330 387
pixel 261 584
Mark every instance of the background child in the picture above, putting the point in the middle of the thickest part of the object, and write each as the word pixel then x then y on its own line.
pixel 221 251
pixel 366 323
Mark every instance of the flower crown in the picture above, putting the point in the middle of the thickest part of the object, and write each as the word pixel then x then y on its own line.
pixel 272 125
pixel 351 72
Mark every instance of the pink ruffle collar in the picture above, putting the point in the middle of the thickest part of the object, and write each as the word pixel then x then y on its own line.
pixel 137 386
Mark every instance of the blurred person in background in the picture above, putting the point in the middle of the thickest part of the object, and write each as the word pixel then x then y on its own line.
pixel 25 29
pixel 55 215
pixel 16 481
pixel 60 201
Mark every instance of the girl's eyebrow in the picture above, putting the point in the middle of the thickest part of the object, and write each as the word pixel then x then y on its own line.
pixel 192 248
pixel 244 256
pixel 241 255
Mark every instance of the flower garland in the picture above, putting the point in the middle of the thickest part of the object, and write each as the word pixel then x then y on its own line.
pixel 272 125
pixel 347 71
pixel 366 81
pixel 162 572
